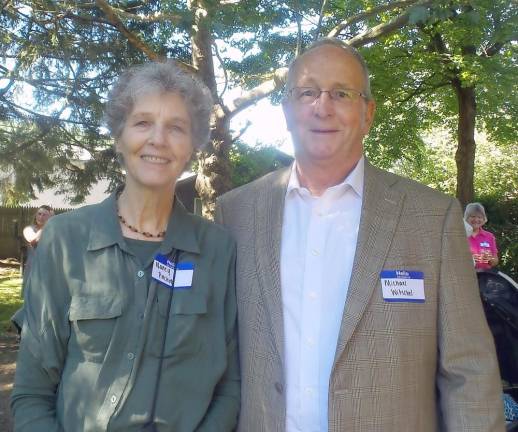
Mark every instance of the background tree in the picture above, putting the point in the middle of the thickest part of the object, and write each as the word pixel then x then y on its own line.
pixel 69 52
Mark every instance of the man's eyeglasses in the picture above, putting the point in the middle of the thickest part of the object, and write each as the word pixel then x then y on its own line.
pixel 308 95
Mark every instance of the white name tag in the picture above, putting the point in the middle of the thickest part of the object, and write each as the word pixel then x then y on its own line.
pixel 402 286
pixel 163 271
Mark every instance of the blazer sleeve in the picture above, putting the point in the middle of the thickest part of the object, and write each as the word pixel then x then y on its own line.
pixel 468 379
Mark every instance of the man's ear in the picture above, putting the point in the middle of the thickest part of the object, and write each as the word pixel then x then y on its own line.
pixel 288 114
pixel 369 115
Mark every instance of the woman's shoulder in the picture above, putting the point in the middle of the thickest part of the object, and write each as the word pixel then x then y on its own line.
pixel 487 234
pixel 29 229
pixel 74 223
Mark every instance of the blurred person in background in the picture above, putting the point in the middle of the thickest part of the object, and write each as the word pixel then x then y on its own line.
pixel 482 243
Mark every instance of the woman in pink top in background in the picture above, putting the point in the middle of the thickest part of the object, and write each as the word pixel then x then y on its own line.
pixel 481 242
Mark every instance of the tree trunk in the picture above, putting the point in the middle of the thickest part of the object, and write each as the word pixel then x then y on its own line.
pixel 465 154
pixel 213 176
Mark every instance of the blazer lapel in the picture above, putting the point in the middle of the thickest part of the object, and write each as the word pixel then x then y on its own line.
pixel 269 210
pixel 381 210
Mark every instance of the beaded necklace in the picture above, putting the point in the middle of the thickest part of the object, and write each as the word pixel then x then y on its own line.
pixel 147 234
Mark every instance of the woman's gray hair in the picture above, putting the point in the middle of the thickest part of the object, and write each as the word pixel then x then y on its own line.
pixel 349 49
pixel 474 208
pixel 164 77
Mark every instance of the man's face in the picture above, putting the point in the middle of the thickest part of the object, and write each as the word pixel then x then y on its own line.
pixel 328 132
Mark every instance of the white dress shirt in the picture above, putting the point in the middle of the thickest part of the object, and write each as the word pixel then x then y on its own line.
pixel 319 236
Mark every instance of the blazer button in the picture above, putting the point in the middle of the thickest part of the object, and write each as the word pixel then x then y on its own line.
pixel 278 387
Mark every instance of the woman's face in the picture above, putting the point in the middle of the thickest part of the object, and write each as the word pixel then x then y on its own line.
pixel 156 141
pixel 476 220
pixel 42 215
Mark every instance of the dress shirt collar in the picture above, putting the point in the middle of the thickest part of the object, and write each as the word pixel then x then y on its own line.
pixel 354 180
pixel 180 234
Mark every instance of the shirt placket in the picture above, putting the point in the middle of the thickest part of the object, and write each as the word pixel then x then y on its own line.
pixel 134 348
pixel 310 319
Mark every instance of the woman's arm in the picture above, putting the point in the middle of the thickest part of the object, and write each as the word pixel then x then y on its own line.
pixel 31 235
pixel 43 344
pixel 224 408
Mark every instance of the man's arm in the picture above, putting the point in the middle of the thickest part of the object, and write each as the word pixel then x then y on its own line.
pixel 468 377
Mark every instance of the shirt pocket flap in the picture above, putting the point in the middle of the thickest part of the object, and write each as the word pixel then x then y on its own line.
pixel 190 304
pixel 94 307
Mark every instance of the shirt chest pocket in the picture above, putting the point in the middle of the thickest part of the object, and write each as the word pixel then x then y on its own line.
pixel 93 319
pixel 187 323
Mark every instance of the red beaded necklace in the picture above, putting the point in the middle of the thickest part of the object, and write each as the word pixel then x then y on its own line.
pixel 147 234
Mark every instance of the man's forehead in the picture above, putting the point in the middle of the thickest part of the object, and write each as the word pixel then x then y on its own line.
pixel 308 67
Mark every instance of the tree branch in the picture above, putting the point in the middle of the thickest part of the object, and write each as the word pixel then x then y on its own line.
pixel 156 17
pixel 374 33
pixel 320 17
pixel 216 52
pixel 133 39
pixel 259 92
pixel 43 117
pixel 367 14
pixel 242 131
pixel 423 88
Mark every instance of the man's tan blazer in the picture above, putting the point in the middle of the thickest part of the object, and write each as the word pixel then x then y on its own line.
pixel 416 367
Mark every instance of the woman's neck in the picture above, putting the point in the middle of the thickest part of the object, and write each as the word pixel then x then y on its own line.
pixel 146 210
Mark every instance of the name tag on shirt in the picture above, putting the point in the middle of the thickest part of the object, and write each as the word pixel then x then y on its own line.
pixel 402 286
pixel 485 244
pixel 163 271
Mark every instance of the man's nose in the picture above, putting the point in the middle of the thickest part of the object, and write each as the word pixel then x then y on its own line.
pixel 324 105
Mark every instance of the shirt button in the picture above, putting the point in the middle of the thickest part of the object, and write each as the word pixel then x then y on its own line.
pixel 315 252
pixel 113 399
pixel 312 295
pixel 311 342
pixel 278 387
pixel 131 356
pixel 140 273
pixel 141 316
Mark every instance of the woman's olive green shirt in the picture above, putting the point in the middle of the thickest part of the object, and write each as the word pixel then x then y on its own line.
pixel 94 322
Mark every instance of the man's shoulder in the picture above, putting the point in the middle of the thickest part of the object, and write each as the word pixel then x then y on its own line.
pixel 249 191
pixel 411 188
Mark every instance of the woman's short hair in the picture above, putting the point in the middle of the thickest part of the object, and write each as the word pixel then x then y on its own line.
pixel 164 76
pixel 474 208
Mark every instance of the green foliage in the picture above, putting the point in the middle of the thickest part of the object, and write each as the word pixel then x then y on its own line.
pixel 250 163
pixel 496 185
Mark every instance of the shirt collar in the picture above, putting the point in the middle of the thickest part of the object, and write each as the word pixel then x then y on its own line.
pixel 181 229
pixel 354 180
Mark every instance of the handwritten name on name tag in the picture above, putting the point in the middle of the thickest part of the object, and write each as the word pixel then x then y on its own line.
pixel 402 286
pixel 163 272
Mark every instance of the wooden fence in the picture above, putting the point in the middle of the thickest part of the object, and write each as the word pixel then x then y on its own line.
pixel 12 222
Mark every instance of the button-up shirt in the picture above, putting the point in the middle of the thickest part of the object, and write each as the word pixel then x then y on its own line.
pixel 319 236
pixel 92 337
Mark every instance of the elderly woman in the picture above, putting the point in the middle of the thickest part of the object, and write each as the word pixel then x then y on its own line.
pixel 481 242
pixel 130 310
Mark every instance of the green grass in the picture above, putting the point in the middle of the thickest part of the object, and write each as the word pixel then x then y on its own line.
pixel 10 300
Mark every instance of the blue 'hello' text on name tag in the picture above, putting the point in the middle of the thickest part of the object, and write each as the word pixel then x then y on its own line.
pixel 163 271
pixel 402 286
